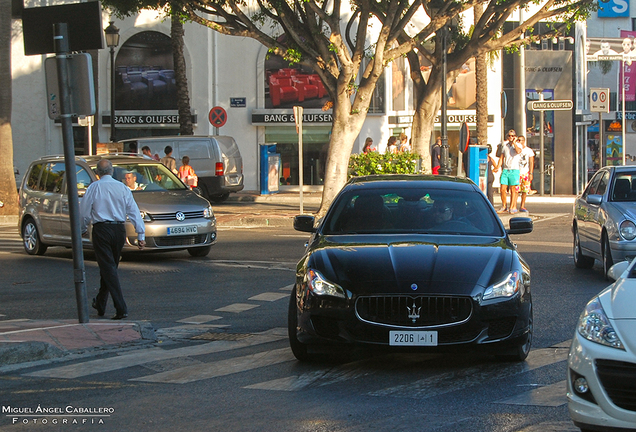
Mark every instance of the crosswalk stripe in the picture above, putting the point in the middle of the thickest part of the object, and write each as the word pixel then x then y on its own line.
pixel 268 296
pixel 454 380
pixel 552 396
pixel 237 307
pixel 203 371
pixel 157 354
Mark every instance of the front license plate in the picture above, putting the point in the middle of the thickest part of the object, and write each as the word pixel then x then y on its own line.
pixel 413 338
pixel 180 230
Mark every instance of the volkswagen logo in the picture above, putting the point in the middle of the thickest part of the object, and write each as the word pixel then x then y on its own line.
pixel 180 216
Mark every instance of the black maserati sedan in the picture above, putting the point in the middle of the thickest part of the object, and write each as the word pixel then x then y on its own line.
pixel 411 262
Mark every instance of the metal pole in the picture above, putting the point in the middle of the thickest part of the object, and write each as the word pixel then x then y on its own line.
pixel 444 168
pixel 112 94
pixel 623 107
pixel 61 54
pixel 542 147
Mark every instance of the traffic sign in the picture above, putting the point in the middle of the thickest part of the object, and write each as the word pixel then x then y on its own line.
pixel 550 105
pixel 217 116
pixel 599 100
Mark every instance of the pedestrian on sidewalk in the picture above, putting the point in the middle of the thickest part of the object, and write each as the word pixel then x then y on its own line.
pixel 168 160
pixel 526 165
pixel 436 155
pixel 106 204
pixel 509 162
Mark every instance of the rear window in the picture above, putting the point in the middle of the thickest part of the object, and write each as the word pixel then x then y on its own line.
pixel 435 211
pixel 195 149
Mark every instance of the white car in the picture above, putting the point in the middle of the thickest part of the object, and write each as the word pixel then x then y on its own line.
pixel 602 361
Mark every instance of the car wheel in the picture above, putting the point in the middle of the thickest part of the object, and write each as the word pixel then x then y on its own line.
pixel 199 251
pixel 31 239
pixel 521 351
pixel 607 256
pixel 298 348
pixel 219 198
pixel 580 260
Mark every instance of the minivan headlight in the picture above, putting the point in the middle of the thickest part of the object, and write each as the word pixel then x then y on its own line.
pixel 595 326
pixel 506 288
pixel 321 286
pixel 145 216
pixel 208 213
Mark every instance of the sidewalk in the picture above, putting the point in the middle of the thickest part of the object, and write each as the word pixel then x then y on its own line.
pixel 30 340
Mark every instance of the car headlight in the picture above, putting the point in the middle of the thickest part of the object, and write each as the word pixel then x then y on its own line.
pixel 595 326
pixel 628 230
pixel 320 286
pixel 145 216
pixel 208 213
pixel 506 288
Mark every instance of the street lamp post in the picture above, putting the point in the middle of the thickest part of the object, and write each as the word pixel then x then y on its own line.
pixel 112 40
pixel 444 168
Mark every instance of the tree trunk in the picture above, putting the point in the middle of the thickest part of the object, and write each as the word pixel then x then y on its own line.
pixel 181 79
pixel 481 77
pixel 8 191
pixel 429 100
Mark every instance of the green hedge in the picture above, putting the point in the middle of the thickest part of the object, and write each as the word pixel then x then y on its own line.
pixel 382 163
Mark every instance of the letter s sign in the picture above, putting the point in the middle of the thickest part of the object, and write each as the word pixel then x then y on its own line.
pixel 613 8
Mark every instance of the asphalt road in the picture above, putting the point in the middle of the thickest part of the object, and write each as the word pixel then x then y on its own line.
pixel 222 361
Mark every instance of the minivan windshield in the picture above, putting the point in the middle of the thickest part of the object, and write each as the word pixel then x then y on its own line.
pixel 147 177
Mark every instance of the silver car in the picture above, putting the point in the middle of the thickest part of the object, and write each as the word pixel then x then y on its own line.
pixel 604 221
pixel 175 217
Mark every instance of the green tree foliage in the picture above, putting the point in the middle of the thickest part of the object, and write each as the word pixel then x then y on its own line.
pixel 382 163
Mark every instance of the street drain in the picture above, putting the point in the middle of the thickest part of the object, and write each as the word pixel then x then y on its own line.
pixel 221 336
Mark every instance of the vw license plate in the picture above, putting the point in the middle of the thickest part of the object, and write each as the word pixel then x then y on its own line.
pixel 180 230
pixel 413 338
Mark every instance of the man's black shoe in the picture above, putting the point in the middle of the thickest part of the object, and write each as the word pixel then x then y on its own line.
pixel 99 311
pixel 119 316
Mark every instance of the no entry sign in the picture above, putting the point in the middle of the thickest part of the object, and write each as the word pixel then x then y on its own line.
pixel 217 116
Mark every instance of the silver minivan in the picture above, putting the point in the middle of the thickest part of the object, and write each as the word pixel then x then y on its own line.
pixel 216 160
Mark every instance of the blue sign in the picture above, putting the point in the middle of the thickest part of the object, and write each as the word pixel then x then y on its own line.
pixel 613 8
pixel 238 102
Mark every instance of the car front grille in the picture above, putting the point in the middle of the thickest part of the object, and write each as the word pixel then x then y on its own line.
pixel 173 216
pixel 186 240
pixel 414 311
pixel 619 381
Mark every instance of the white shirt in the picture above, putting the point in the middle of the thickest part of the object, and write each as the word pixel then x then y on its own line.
pixel 110 200
pixel 526 154
pixel 511 158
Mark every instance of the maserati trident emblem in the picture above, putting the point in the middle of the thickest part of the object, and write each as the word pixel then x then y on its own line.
pixel 414 312
pixel 180 216
pixel 414 287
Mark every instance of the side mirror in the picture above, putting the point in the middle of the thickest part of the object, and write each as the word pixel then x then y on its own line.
pixel 615 272
pixel 304 223
pixel 520 225
pixel 594 199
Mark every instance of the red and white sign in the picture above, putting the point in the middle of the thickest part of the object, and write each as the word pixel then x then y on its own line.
pixel 217 116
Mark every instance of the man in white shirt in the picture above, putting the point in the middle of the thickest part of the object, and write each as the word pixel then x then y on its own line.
pixel 509 160
pixel 526 166
pixel 106 204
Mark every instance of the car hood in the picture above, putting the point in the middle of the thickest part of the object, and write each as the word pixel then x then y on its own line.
pixel 626 208
pixel 621 297
pixel 413 264
pixel 169 201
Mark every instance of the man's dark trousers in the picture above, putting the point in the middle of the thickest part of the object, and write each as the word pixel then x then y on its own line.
pixel 108 241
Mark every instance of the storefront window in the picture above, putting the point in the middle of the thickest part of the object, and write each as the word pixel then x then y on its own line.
pixel 315 149
pixel 533 137
pixel 145 77
pixel 287 86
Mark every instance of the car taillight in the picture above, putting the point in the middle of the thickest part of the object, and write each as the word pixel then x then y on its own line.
pixel 218 169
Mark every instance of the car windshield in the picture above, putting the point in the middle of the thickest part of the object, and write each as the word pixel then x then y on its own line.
pixel 434 211
pixel 624 187
pixel 147 177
